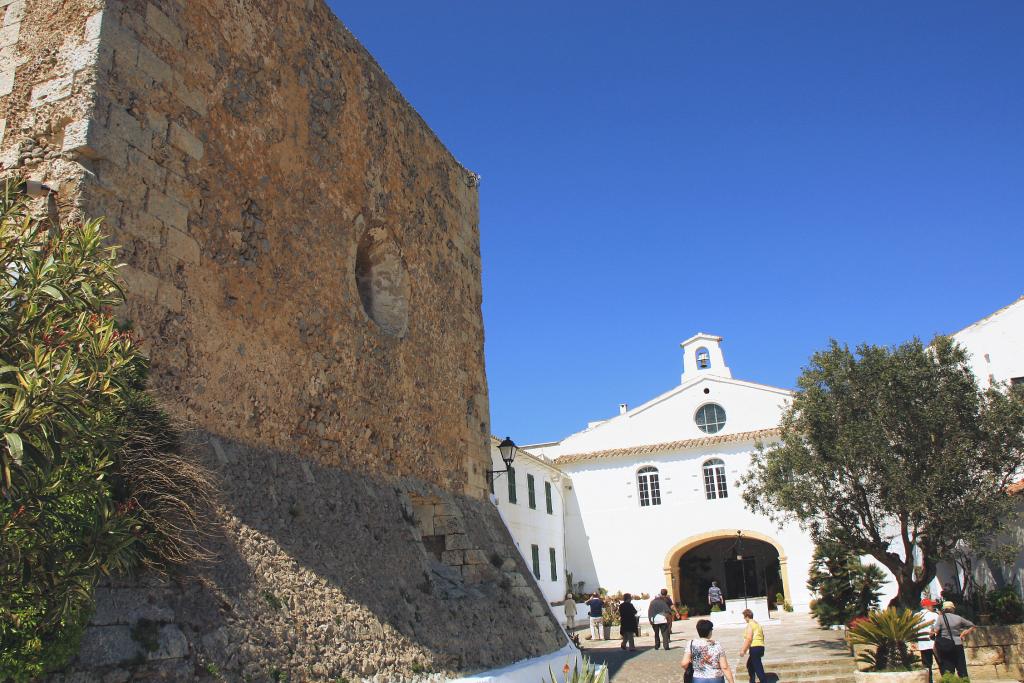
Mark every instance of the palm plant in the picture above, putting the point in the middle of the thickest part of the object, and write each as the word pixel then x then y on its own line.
pixel 886 633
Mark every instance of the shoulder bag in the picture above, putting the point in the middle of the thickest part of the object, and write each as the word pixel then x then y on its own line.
pixel 942 643
pixel 688 674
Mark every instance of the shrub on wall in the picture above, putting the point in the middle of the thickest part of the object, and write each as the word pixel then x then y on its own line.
pixel 1005 605
pixel 75 425
pixel 846 587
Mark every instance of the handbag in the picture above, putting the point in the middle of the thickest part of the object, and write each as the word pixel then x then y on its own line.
pixel 688 674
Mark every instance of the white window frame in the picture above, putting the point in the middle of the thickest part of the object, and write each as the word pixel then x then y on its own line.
pixel 648 486
pixel 715 484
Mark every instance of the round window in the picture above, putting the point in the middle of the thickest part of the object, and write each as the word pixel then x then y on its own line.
pixel 710 418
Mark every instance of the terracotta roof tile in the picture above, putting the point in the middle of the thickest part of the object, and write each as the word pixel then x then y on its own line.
pixel 668 446
pixel 1015 488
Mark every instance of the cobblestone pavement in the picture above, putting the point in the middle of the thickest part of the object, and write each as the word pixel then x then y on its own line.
pixel 796 638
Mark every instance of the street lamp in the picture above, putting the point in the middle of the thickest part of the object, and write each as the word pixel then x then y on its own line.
pixel 508 450
pixel 743 565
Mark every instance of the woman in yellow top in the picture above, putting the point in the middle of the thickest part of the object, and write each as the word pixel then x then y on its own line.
pixel 753 642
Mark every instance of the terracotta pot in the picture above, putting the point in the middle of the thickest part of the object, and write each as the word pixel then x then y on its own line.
pixel 915 676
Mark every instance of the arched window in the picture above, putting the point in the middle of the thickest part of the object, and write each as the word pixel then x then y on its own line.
pixel 703 359
pixel 714 479
pixel 710 418
pixel 648 486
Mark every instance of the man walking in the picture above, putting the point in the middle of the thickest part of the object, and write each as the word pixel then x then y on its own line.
pixel 596 606
pixel 715 596
pixel 660 616
pixel 569 604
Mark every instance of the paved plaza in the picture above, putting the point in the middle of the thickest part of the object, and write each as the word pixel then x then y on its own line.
pixel 795 639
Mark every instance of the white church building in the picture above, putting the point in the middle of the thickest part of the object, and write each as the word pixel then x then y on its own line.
pixel 652 497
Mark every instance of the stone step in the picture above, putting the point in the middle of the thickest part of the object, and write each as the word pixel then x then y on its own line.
pixel 825 666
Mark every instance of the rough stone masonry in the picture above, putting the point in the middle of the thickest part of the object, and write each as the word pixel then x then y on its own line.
pixel 303 262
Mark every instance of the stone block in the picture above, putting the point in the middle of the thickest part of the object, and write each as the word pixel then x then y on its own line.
pixel 127 605
pixel 15 11
pixel 145 227
pixel 171 212
pixel 170 297
pixel 172 644
pixel 456 542
pixel 182 246
pixel 77 136
pixel 476 556
pixel 190 97
pixel 107 646
pixel 163 26
pixel 985 655
pixel 121 124
pixel 93 26
pixel 83 56
pixel 9 35
pixel 53 90
pixel 153 66
pixel 151 173
pixel 453 557
pixel 450 524
pixel 186 142
pixel 6 81
pixel 141 285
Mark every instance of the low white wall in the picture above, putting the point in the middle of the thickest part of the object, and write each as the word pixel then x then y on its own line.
pixel 533 670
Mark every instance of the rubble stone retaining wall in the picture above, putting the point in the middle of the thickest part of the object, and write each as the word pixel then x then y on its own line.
pixel 996 652
pixel 303 264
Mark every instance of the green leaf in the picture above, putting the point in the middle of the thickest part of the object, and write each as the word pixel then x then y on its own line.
pixel 15 446
pixel 53 292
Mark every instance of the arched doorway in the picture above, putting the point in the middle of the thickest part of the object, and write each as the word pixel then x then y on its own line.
pixel 755 567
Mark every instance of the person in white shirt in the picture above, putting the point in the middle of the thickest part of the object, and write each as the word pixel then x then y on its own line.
pixel 925 645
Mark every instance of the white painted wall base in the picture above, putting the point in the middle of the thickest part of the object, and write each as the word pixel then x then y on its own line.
pixel 733 613
pixel 529 670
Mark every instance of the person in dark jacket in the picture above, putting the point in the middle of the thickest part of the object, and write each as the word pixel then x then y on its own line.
pixel 660 616
pixel 629 622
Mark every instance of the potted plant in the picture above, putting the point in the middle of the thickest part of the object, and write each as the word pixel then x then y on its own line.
pixel 682 612
pixel 884 637
pixel 610 617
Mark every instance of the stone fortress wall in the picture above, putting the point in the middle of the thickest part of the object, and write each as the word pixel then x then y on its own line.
pixel 303 262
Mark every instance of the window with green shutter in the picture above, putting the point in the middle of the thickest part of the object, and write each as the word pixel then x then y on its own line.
pixel 511 484
pixel 547 497
pixel 554 570
pixel 531 493
pixel 536 561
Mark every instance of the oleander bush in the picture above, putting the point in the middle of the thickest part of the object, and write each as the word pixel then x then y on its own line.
pixel 89 480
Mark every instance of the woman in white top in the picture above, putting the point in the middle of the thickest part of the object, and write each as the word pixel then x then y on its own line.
pixel 707 657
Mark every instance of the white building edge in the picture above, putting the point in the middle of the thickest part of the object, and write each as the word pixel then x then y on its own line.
pixel 651 497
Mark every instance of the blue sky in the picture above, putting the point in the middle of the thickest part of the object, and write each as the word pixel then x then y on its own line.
pixel 778 173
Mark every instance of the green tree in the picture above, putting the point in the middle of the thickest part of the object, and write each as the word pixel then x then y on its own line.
pixel 845 586
pixel 894 453
pixel 64 372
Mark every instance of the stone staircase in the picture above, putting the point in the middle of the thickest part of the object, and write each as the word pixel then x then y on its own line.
pixel 823 670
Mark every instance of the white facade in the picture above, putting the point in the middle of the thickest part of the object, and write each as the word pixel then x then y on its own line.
pixel 536 523
pixel 622 537
pixel 996 345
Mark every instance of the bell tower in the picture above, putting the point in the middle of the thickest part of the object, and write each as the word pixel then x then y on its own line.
pixel 702 355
